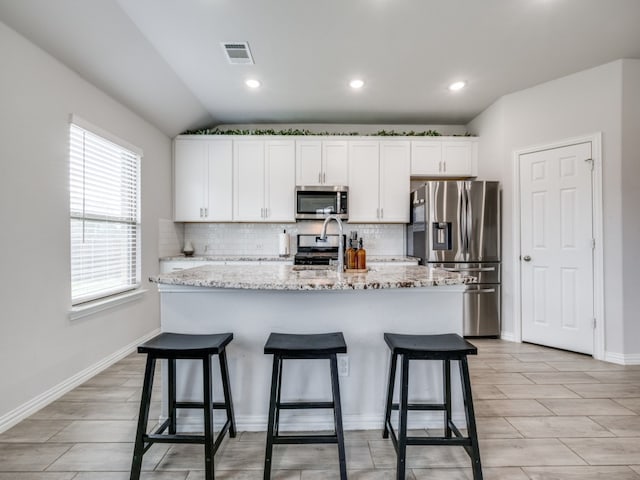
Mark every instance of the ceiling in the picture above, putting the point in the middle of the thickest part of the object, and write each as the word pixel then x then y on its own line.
pixel 164 59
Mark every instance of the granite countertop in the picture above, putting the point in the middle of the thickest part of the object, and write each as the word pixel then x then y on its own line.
pixel 275 258
pixel 290 277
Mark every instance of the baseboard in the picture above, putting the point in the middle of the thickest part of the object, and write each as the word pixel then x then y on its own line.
pixel 622 359
pixel 32 406
pixel 509 337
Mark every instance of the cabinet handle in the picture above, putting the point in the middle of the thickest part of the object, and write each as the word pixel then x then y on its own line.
pixel 200 212
pixel 440 166
pixel 319 177
pixel 262 213
pixel 324 177
pixel 266 213
pixel 444 167
pixel 382 213
pixel 206 212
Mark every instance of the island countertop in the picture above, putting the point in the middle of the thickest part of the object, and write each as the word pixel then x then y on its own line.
pixel 291 277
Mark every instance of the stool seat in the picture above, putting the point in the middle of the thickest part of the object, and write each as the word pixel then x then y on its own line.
pixel 301 344
pixel 448 345
pixel 178 345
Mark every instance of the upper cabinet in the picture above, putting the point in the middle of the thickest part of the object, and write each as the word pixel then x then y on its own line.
pixel 379 181
pixel 444 157
pixel 321 162
pixel 203 172
pixel 264 180
pixel 253 179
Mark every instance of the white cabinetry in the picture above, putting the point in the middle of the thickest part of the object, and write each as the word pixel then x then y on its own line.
pixel 444 158
pixel 321 162
pixel 264 181
pixel 379 181
pixel 202 180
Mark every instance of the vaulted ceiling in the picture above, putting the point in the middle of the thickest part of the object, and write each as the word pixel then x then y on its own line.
pixel 164 59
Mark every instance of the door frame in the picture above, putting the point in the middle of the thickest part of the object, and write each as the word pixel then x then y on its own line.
pixel 598 253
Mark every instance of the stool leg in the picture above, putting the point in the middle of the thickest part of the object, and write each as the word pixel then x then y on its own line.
pixel 143 418
pixel 224 373
pixel 471 419
pixel 392 382
pixel 208 419
pixel 275 375
pixel 446 373
pixel 337 416
pixel 402 426
pixel 278 397
pixel 171 407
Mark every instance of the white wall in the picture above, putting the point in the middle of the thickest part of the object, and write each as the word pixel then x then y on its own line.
pixel 631 202
pixel 579 104
pixel 39 346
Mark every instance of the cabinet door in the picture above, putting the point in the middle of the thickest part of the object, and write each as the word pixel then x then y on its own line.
pixel 308 162
pixel 335 154
pixel 395 159
pixel 248 180
pixel 456 158
pixel 280 162
pixel 220 181
pixel 426 157
pixel 363 181
pixel 190 177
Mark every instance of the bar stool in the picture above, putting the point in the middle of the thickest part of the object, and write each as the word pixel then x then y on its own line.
pixel 294 347
pixel 445 347
pixel 173 346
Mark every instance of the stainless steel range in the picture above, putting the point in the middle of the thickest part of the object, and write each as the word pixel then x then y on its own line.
pixel 313 251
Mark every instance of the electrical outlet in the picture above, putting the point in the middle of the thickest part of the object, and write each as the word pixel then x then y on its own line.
pixel 343 365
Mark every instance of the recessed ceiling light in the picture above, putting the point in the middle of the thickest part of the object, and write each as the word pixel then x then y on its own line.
pixel 356 83
pixel 252 83
pixel 455 86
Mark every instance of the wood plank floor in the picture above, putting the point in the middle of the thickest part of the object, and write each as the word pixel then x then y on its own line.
pixel 543 414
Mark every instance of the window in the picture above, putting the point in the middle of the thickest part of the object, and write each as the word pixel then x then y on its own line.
pixel 105 214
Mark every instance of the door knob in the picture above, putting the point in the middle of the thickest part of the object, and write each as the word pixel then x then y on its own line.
pixel 526 258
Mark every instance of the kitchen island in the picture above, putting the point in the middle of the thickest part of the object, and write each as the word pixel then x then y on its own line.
pixel 253 301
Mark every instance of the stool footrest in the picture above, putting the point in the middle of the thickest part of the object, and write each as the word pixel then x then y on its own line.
pixel 438 441
pixel 304 439
pixel 195 405
pixel 178 438
pixel 421 406
pixel 296 405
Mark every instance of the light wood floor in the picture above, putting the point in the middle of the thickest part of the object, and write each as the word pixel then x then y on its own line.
pixel 543 414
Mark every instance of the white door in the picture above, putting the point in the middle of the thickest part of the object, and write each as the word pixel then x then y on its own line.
pixel 557 247
pixel 190 180
pixel 364 178
pixel 220 204
pixel 309 162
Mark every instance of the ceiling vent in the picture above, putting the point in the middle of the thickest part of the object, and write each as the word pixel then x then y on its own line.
pixel 238 53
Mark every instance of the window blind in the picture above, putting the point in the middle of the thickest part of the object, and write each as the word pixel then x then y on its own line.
pixel 104 211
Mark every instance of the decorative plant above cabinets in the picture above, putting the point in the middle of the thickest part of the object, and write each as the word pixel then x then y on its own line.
pixel 305 132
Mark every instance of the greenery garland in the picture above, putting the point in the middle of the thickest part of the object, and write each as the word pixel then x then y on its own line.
pixel 305 132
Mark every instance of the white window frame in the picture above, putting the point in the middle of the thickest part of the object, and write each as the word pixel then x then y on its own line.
pixel 86 304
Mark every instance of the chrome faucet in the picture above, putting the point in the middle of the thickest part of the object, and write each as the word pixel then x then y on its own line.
pixel 323 236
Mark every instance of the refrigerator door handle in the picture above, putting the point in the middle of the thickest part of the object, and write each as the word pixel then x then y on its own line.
pixel 482 290
pixel 462 225
pixel 469 220
pixel 481 269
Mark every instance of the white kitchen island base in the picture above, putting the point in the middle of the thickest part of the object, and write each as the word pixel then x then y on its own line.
pixel 363 315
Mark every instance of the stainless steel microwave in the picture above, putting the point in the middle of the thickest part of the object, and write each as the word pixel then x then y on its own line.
pixel 317 202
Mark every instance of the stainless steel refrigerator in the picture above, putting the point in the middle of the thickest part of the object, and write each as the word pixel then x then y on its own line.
pixel 455 225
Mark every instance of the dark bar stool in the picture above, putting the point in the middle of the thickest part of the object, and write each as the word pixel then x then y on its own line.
pixel 294 347
pixel 173 346
pixel 445 347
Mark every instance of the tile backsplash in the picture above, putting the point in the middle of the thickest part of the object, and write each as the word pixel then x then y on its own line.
pixel 170 237
pixel 262 238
